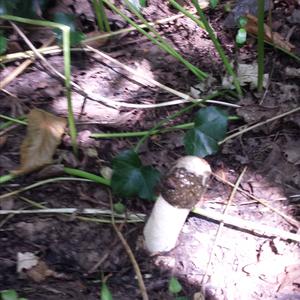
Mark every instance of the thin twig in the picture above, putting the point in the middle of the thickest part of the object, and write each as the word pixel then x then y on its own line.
pixel 250 226
pixel 40 183
pixel 185 97
pixel 289 219
pixel 260 124
pixel 136 218
pixel 27 54
pixel 18 70
pixel 130 254
pixel 221 225
pixel 116 103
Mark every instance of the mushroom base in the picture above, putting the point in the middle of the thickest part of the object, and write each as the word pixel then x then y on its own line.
pixel 163 226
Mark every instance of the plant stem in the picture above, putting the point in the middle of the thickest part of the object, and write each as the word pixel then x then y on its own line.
pixel 260 45
pixel 87 175
pixel 201 22
pixel 171 117
pixel 67 65
pixel 14 120
pixel 161 43
pixel 101 16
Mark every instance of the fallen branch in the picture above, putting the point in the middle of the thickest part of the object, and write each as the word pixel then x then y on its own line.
pixel 259 229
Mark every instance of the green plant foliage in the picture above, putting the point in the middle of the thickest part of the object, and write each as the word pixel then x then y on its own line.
pixel 68 19
pixel 241 37
pixel 143 3
pixel 130 178
pixel 10 295
pixel 119 208
pixel 210 128
pixel 174 286
pixel 213 3
pixel 3 44
pixel 105 292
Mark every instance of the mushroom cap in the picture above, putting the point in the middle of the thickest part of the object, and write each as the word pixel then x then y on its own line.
pixel 186 182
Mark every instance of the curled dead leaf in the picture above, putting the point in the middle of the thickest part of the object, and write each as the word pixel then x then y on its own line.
pixel 44 132
pixel 270 36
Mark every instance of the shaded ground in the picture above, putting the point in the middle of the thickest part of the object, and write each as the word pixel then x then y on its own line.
pixel 245 264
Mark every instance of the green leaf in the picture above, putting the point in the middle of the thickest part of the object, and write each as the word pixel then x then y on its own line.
pixel 3 44
pixel 174 286
pixel 105 292
pixel 68 19
pixel 119 208
pixel 213 3
pixel 241 37
pixel 9 295
pixel 130 178
pixel 143 3
pixel 210 128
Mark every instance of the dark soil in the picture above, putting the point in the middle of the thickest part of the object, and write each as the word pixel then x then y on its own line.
pixel 75 254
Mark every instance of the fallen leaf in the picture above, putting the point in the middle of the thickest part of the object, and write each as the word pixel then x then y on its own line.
pixel 30 265
pixel 270 36
pixel 247 74
pixel 26 261
pixel 44 132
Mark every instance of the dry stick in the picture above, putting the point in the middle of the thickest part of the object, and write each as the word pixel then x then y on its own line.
pixel 134 217
pixel 250 226
pixel 114 103
pixel 17 71
pixel 130 254
pixel 289 219
pixel 260 124
pixel 26 54
pixel 185 97
pixel 106 101
pixel 221 225
pixel 39 55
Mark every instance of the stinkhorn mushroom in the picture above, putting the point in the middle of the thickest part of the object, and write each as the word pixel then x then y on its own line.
pixel 182 189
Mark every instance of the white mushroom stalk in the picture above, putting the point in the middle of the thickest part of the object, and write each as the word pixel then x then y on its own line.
pixel 182 189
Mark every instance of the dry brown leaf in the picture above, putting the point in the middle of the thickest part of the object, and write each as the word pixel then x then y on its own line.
pixel 270 36
pixel 44 132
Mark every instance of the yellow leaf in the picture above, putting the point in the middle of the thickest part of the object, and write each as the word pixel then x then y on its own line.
pixel 44 132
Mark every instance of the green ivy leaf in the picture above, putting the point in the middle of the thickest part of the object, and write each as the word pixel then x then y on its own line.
pixel 241 37
pixel 174 286
pixel 3 44
pixel 213 3
pixel 68 19
pixel 9 295
pixel 130 178
pixel 105 292
pixel 210 128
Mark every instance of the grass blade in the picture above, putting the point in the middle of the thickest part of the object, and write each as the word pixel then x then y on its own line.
pixel 260 45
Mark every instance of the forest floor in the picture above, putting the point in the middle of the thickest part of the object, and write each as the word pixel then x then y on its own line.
pixel 254 258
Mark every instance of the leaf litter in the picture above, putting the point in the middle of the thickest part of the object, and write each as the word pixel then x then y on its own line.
pixel 74 247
